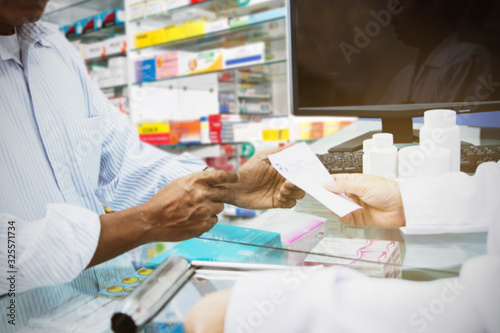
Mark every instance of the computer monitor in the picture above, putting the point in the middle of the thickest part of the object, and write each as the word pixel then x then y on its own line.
pixel 393 59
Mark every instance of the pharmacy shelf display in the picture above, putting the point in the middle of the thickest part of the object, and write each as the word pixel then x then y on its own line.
pixel 188 61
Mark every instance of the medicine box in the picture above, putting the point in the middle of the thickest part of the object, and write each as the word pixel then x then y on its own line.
pixel 137 10
pixel 267 15
pixel 155 7
pixel 376 258
pixel 171 4
pixel 109 18
pixel 213 248
pixel 155 133
pixel 115 45
pixel 203 62
pixel 185 131
pixel 145 70
pixel 299 231
pixel 95 50
pixel 245 55
pixel 143 39
pixel 172 64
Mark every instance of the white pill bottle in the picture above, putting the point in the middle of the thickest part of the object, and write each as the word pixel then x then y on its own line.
pixel 383 156
pixel 440 129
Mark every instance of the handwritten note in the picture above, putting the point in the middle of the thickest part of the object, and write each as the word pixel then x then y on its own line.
pixel 302 167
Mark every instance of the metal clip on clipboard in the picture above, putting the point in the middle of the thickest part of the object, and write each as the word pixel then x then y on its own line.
pixel 160 287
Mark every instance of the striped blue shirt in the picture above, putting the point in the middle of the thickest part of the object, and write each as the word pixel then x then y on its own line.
pixel 65 151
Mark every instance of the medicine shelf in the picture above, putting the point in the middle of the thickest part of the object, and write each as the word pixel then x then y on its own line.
pixel 105 58
pixel 65 12
pixel 267 63
pixel 98 35
pixel 249 33
pixel 222 8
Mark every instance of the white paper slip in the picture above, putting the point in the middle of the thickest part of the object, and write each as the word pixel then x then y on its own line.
pixel 302 167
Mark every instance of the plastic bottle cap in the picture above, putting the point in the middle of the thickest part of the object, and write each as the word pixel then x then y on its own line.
pixel 440 118
pixel 367 145
pixel 382 140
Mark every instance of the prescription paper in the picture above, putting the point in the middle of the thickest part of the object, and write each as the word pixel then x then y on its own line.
pixel 302 167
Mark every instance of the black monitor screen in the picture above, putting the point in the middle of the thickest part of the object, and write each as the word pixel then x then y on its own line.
pixel 390 58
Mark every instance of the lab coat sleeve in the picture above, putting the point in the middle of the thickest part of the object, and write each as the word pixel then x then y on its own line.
pixel 49 251
pixel 340 300
pixel 452 203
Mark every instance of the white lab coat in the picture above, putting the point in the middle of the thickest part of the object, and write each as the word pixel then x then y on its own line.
pixel 341 300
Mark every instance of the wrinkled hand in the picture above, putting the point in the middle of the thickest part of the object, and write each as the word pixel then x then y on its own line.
pixel 188 206
pixel 207 316
pixel 379 197
pixel 260 186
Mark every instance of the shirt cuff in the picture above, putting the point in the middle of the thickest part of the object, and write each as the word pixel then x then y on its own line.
pixel 59 246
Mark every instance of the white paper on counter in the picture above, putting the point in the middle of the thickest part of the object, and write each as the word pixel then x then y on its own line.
pixel 302 167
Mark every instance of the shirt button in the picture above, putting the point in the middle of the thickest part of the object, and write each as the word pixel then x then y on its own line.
pixel 47 130
pixel 66 185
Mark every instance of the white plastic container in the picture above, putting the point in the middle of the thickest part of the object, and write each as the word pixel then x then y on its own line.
pixel 367 146
pixel 440 130
pixel 383 156
pixel 416 161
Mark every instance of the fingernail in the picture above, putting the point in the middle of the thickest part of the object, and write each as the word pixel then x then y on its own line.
pixel 286 191
pixel 280 198
pixel 330 185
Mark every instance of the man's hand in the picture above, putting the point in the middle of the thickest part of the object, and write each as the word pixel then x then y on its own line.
pixel 379 197
pixel 260 186
pixel 207 316
pixel 188 206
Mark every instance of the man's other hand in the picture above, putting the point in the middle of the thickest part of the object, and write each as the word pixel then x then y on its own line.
pixel 260 186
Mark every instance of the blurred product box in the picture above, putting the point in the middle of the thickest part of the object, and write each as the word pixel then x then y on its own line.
pixel 143 39
pixel 155 7
pixel 172 64
pixel 216 25
pixel 203 62
pixel 245 55
pixel 95 50
pixel 137 10
pixel 267 15
pixel 189 14
pixel 84 26
pixel 171 4
pixel 376 258
pixel 109 18
pixel 116 62
pixel 145 70
pixel 238 22
pixel 115 45
pixel 215 128
pixel 212 247
pixel 155 133
pixel 299 231
pixel 185 131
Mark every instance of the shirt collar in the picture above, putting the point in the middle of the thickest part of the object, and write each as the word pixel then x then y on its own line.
pixel 36 32
pixel 29 33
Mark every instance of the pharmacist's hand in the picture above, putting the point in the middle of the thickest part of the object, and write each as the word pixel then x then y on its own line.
pixel 260 186
pixel 379 197
pixel 188 206
pixel 207 316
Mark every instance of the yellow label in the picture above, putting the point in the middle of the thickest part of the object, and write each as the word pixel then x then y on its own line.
pixel 154 127
pixel 282 134
pixel 142 40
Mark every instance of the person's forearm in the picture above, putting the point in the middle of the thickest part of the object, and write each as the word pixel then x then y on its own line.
pixel 120 232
